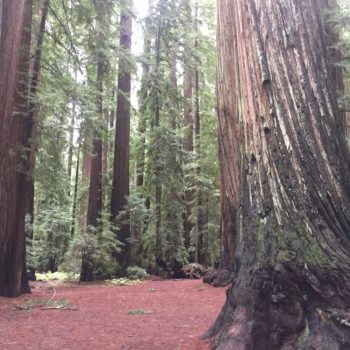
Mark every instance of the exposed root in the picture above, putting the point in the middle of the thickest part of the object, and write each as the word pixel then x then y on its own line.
pixel 218 278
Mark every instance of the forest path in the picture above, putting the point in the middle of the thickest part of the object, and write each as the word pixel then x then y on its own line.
pixel 177 313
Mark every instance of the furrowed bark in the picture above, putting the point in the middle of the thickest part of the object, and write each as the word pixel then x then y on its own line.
pixel 286 165
pixel 13 88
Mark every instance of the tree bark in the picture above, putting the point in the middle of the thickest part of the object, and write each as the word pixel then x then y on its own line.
pixel 14 69
pixel 85 176
pixel 75 194
pixel 31 122
pixel 120 188
pixel 95 202
pixel 70 149
pixel 286 167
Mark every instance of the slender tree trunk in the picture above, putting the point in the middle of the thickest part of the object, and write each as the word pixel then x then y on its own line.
pixel 32 112
pixel 140 156
pixel 14 59
pixel 70 149
pixel 173 98
pixel 158 166
pixel 95 199
pixel 85 176
pixel 120 188
pixel 188 139
pixel 201 253
pixel 288 170
pixel 21 109
pixel 75 194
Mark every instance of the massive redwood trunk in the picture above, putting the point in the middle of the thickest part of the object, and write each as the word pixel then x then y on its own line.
pixel 120 188
pixel 285 165
pixel 14 68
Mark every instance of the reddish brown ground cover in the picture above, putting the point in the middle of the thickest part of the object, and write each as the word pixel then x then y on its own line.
pixel 178 312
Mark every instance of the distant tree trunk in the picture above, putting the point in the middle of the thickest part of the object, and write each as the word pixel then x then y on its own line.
pixel 287 168
pixel 70 149
pixel 201 253
pixel 32 111
pixel 21 109
pixel 140 156
pixel 188 140
pixel 173 98
pixel 188 110
pixel 95 202
pixel 15 16
pixel 120 188
pixel 85 176
pixel 158 166
pixel 75 194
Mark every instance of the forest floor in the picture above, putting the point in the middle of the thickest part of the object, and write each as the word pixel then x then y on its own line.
pixel 154 315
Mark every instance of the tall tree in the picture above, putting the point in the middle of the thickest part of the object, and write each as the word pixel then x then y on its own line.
pixel 120 189
pixel 14 70
pixel 188 116
pixel 95 204
pixel 287 170
pixel 200 258
pixel 144 92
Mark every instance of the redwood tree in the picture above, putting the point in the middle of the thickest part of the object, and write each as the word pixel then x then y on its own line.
pixel 14 70
pixel 286 166
pixel 120 188
pixel 94 200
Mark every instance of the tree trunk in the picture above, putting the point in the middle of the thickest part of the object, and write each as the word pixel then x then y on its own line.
pixel 31 124
pixel 120 188
pixel 15 16
pixel 95 202
pixel 21 102
pixel 70 149
pixel 201 253
pixel 140 155
pixel 85 176
pixel 228 201
pixel 188 137
pixel 287 170
pixel 75 194
pixel 158 166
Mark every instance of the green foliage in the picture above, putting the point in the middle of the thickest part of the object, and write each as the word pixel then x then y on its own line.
pixel 138 312
pixel 51 236
pixel 102 245
pixel 124 282
pixel 56 276
pixel 136 272
pixel 44 304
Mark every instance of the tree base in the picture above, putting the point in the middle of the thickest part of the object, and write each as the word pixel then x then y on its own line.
pixel 284 310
